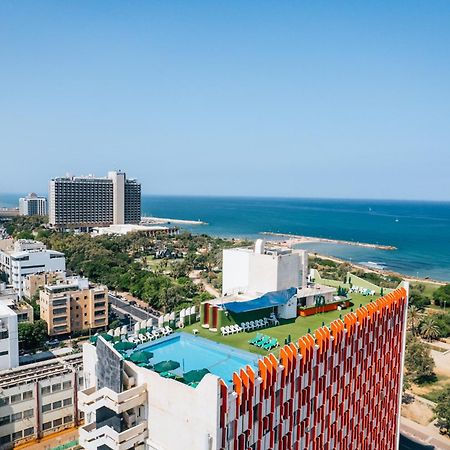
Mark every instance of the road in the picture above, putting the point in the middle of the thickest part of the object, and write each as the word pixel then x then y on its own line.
pixel 124 308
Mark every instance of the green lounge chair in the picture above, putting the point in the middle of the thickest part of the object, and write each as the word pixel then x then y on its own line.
pixel 271 344
pixel 263 341
pixel 256 338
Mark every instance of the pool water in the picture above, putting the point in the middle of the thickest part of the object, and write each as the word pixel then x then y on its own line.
pixel 195 352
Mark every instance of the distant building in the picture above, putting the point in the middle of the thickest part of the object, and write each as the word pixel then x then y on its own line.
pixel 28 257
pixel 84 202
pixel 32 205
pixel 32 283
pixel 39 400
pixel 120 230
pixel 73 305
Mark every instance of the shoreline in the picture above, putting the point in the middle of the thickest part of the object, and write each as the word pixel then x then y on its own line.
pixel 294 239
pixel 162 220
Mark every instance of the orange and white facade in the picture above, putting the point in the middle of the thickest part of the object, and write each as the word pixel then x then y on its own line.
pixel 338 389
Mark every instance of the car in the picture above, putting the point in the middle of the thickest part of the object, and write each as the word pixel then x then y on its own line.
pixel 132 302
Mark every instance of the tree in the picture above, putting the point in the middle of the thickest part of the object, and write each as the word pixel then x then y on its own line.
pixel 418 362
pixel 441 295
pixel 414 316
pixel 429 329
pixel 32 336
pixel 442 410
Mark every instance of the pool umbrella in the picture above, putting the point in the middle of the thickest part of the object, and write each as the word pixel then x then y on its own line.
pixel 124 346
pixel 165 366
pixel 141 357
pixel 93 339
pixel 107 337
pixel 194 376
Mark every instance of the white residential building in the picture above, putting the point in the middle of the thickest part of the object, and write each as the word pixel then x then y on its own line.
pixel 9 338
pixel 29 257
pixel 38 400
pixel 261 270
pixel 32 205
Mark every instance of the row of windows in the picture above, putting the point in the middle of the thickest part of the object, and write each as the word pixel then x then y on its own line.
pixel 16 417
pixel 56 405
pixel 16 436
pixel 56 387
pixel 16 398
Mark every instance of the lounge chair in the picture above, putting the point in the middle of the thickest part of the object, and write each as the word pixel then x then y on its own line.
pixel 244 326
pixel 156 334
pixel 263 341
pixel 271 344
pixel 168 329
pixel 256 338
pixel 223 331
pixel 142 338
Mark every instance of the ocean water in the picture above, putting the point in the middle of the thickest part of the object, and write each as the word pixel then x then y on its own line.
pixel 419 230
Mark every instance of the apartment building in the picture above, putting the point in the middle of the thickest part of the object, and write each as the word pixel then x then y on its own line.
pixel 336 389
pixel 73 305
pixel 10 298
pixel 84 202
pixel 32 283
pixel 29 257
pixel 39 400
pixel 32 205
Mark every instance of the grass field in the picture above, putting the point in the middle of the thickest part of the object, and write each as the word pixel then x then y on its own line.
pixel 295 328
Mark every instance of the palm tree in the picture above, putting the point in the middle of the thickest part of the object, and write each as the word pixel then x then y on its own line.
pixel 414 317
pixel 429 329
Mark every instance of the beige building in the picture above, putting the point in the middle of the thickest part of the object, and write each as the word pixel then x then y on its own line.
pixel 32 283
pixel 73 305
pixel 38 400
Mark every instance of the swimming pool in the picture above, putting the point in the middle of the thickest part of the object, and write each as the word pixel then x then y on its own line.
pixel 195 352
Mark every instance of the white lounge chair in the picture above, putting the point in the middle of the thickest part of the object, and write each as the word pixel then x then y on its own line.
pixel 168 329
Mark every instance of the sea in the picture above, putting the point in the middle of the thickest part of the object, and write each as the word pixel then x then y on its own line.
pixel 420 231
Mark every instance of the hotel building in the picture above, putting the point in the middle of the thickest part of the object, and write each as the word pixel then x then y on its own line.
pixel 73 305
pixel 29 257
pixel 338 388
pixel 32 205
pixel 38 400
pixel 84 202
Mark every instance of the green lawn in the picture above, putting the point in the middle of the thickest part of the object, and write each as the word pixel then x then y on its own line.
pixel 296 328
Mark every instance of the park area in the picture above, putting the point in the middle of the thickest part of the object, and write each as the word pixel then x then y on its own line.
pixel 287 329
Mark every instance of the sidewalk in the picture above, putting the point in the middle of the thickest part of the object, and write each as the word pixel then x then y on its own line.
pixel 425 434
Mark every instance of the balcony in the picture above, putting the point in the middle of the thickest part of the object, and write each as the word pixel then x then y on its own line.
pixel 92 438
pixel 90 399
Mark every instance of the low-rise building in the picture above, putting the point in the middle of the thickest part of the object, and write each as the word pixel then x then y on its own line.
pixel 28 257
pixel 33 282
pixel 39 399
pixel 9 338
pixel 73 305
pixel 10 298
pixel 33 205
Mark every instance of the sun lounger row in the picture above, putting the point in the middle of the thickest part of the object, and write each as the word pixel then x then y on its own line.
pixel 230 329
pixel 263 341
pixel 151 335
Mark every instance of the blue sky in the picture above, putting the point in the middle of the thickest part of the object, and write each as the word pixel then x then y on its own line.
pixel 306 99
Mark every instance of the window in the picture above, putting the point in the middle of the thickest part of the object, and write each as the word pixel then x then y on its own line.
pixel 16 398
pixel 68 419
pixel 46 407
pixel 27 395
pixel 16 417
pixel 45 390
pixel 46 426
pixel 5 420
pixel 67 401
pixel 28 431
pixel 28 413
pixel 56 387
pixel 57 423
pixel 17 435
pixel 67 385
pixel 5 439
pixel 4 334
pixel 4 401
pixel 57 405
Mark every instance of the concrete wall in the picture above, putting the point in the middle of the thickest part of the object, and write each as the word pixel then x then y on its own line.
pixel 235 273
